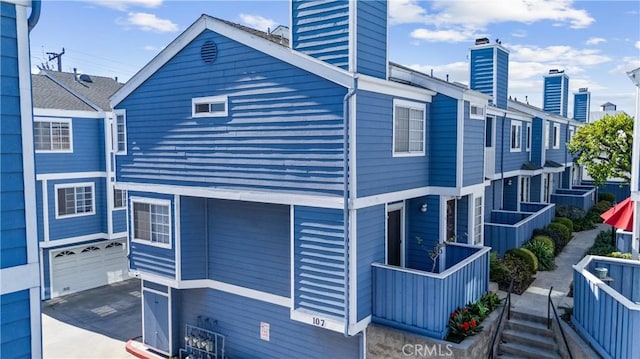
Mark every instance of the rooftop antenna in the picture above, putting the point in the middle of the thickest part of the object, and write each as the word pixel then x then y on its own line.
pixel 53 55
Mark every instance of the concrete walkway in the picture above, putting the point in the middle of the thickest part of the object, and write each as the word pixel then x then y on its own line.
pixel 534 300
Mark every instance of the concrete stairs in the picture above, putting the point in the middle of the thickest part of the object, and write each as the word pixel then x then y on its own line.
pixel 527 336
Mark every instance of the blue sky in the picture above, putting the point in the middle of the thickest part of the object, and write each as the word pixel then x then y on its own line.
pixel 595 42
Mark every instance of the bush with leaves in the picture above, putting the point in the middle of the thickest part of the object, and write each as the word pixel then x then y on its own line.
pixel 606 196
pixel 526 255
pixel 619 255
pixel 498 272
pixel 462 323
pixel 543 252
pixel 583 224
pixel 571 212
pixel 556 236
pixel 565 221
pixel 520 272
pixel 491 300
pixel 566 233
pixel 601 207
pixel 546 240
pixel 602 245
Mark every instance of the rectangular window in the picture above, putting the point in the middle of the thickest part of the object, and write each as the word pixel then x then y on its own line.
pixel 528 137
pixel 525 185
pixel 477 221
pixel 408 128
pixel 556 136
pixel 571 133
pixel 516 136
pixel 212 106
pixel 476 112
pixel 120 131
pixel 151 222
pixel 547 136
pixel 488 132
pixel 119 198
pixel 74 200
pixel 52 135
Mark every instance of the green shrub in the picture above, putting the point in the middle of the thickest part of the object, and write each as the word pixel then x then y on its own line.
pixel 619 255
pixel 606 196
pixel 520 273
pixel 566 234
pixel 530 259
pixel 544 252
pixel 546 240
pixel 491 300
pixel 571 212
pixel 498 272
pixel 566 221
pixel 601 207
pixel 593 217
pixel 583 224
pixel 602 244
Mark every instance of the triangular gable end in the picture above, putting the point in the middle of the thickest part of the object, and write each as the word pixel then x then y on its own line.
pixel 265 46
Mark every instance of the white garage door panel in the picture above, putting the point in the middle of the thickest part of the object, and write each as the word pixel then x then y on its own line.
pixel 86 267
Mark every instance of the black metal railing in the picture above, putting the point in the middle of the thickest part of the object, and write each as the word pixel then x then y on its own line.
pixel 551 307
pixel 507 307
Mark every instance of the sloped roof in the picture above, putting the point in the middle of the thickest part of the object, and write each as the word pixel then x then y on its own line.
pixel 530 166
pixel 48 94
pixel 271 37
pixel 96 92
pixel 550 163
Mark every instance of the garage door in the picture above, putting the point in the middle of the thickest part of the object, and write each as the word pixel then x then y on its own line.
pixel 89 266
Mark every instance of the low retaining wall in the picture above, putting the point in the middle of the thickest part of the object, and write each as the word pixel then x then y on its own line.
pixel 388 343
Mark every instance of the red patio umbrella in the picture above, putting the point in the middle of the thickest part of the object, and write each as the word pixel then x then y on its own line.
pixel 620 215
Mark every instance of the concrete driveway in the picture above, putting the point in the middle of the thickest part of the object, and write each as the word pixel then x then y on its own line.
pixel 92 324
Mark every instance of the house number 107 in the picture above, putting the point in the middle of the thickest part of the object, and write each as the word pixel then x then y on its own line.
pixel 318 321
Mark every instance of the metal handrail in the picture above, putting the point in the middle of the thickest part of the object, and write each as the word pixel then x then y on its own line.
pixel 551 306
pixel 507 307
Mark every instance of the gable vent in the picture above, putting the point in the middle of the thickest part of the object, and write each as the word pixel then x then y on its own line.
pixel 208 52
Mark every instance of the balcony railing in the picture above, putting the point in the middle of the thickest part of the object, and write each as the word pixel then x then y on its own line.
pixel 511 229
pixel 607 311
pixel 582 198
pixel 421 302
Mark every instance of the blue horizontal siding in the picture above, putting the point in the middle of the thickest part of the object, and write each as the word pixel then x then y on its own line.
pixel 510 161
pixel 62 227
pixel 473 150
pixel 510 193
pixel 321 29
pixel 119 218
pixel 284 131
pixel 15 326
pixel 370 248
pixel 371 22
pixel 552 94
pixel 426 226
pixel 319 264
pixel 378 171
pixel 502 78
pixel 88 150
pixel 249 245
pixel 419 303
pixel 537 145
pixel 193 237
pixel 481 78
pixel 13 246
pixel 442 129
pixel 239 319
pixel 558 155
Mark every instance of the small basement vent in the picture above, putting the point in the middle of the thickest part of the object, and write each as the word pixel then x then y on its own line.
pixel 208 52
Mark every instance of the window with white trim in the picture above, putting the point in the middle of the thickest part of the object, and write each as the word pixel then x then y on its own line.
pixel 408 128
pixel 528 144
pixel 516 136
pixel 120 140
pixel 119 198
pixel 74 199
pixel 477 221
pixel 547 136
pixel 556 135
pixel 212 106
pixel 571 133
pixel 525 188
pixel 52 135
pixel 151 223
pixel 476 112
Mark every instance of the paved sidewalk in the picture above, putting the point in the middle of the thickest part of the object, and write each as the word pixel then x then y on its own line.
pixel 534 300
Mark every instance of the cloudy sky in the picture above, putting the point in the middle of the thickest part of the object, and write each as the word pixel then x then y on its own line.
pixel 595 42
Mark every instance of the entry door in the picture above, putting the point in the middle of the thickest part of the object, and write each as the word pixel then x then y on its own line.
pixel 394 237
pixel 156 320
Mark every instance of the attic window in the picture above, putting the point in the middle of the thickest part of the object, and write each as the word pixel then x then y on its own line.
pixel 209 52
pixel 213 106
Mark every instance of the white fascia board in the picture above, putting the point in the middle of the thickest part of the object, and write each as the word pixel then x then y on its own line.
pixel 475 97
pixel 53 112
pixel 374 84
pixel 286 54
pixel 511 115
pixel 447 89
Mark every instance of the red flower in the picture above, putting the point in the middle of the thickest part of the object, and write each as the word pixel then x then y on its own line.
pixel 453 314
pixel 464 310
pixel 465 326
pixel 473 323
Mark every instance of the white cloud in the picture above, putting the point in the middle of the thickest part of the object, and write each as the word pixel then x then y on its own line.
pixel 595 41
pixel 519 33
pixel 625 64
pixel 406 11
pixel 124 5
pixel 637 44
pixel 441 35
pixel 152 48
pixel 480 13
pixel 257 22
pixel 148 22
pixel 562 55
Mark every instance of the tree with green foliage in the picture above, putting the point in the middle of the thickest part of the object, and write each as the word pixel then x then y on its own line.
pixel 604 147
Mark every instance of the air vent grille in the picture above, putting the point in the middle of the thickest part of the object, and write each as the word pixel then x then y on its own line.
pixel 209 52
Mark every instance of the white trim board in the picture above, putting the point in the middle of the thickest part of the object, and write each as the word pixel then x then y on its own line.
pixel 52 112
pixel 70 175
pixel 19 278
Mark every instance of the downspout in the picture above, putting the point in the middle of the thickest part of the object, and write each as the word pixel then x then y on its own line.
pixel 504 123
pixel 346 195
pixel 566 158
pixel 35 14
